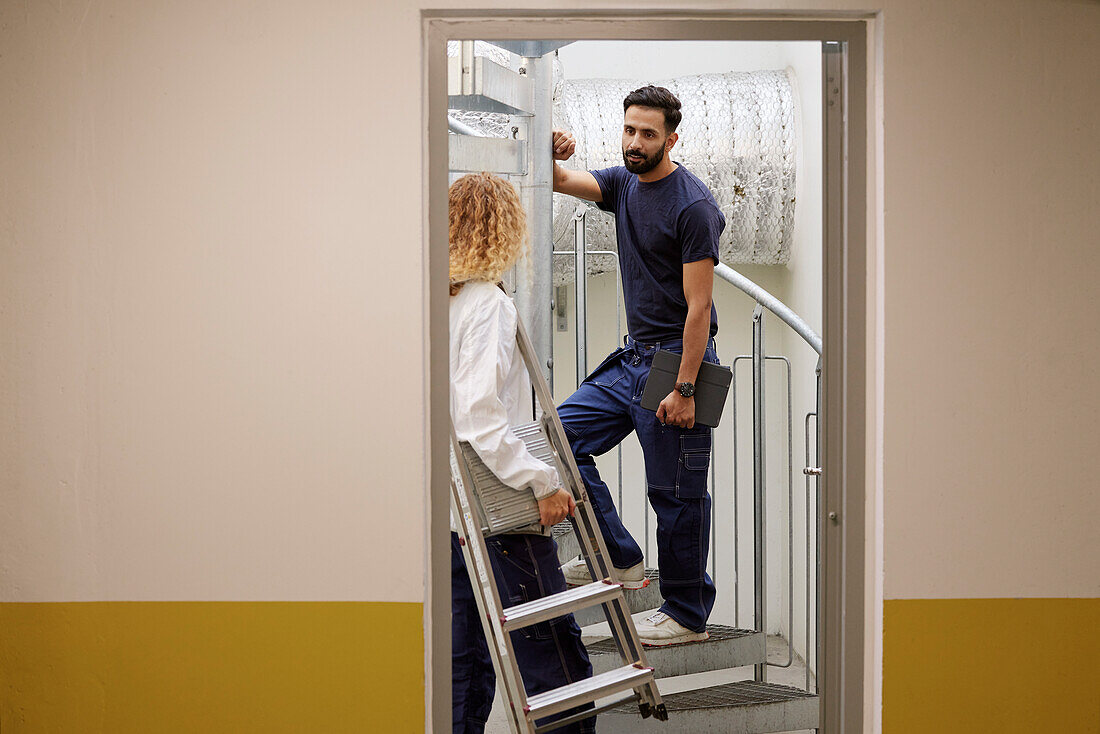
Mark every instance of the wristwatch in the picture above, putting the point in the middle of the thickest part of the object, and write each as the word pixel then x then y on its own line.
pixel 687 389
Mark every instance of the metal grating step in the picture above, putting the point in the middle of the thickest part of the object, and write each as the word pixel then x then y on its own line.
pixel 744 707
pixel 637 600
pixel 727 647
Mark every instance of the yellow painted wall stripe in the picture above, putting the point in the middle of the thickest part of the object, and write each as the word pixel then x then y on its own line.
pixel 124 667
pixel 991 665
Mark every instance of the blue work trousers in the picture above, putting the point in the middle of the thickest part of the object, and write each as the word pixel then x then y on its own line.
pixel 550 654
pixel 597 417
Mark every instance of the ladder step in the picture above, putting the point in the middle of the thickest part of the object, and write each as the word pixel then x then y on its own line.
pixel 587 690
pixel 500 507
pixel 557 605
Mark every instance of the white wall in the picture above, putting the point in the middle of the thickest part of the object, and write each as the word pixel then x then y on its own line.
pixel 798 284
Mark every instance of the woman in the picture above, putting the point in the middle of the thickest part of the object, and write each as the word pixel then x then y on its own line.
pixel 488 379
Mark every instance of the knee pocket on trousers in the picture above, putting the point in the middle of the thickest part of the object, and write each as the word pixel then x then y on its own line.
pixel 691 474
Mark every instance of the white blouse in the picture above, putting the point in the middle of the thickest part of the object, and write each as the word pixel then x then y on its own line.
pixel 488 380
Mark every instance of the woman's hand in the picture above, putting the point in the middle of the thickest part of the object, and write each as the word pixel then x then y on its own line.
pixel 556 507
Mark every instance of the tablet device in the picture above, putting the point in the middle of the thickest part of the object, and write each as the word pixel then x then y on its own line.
pixel 711 386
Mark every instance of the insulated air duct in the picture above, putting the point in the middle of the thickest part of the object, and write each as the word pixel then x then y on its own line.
pixel 738 134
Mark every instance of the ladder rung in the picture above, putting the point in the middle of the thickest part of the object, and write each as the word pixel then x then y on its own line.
pixel 606 704
pixel 587 690
pixel 556 605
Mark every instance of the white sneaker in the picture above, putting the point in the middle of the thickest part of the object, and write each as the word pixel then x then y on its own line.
pixel 576 574
pixel 660 629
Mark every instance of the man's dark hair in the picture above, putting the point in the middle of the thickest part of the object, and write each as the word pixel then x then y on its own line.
pixel 658 98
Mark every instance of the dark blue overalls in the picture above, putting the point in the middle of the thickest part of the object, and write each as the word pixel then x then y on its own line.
pixel 597 417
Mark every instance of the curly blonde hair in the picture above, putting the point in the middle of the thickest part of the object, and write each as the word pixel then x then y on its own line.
pixel 488 229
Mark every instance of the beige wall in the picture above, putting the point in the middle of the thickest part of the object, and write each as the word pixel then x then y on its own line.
pixel 211 300
pixel 991 267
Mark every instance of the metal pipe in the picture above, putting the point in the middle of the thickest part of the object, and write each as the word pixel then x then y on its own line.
pixel 773 304
pixel 461 128
pixel 820 542
pixel 736 512
pixel 581 289
pixel 790 518
pixel 760 670
pixel 809 591
pixel 534 296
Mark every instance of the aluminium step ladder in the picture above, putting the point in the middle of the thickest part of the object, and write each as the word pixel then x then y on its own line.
pixel 478 514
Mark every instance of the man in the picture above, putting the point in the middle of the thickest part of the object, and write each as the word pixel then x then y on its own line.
pixel 667 226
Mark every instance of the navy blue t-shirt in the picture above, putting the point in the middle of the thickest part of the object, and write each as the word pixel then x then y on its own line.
pixel 660 226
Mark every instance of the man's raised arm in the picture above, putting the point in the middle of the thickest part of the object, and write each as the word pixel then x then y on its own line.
pixel 581 184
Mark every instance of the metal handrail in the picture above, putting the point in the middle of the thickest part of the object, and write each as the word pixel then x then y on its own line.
pixel 770 302
pixel 763 299
pixel 461 128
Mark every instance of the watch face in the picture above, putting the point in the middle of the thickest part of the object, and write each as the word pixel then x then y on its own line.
pixel 687 389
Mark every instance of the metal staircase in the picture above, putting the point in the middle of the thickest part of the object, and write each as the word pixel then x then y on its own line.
pixel 523 93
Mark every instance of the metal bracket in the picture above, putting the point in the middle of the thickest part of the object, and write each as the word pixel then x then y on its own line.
pixel 480 85
pixel 497 155
pixel 530 49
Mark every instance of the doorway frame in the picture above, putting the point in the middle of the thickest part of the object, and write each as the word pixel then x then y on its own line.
pixel 848 667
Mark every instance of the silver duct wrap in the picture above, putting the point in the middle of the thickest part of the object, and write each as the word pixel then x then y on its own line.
pixel 738 134
pixel 483 48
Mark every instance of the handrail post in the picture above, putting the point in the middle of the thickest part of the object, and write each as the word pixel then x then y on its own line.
pixel 534 295
pixel 760 670
pixel 820 483
pixel 580 260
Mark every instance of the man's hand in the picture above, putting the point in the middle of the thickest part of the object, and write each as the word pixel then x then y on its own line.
pixel 581 184
pixel 676 410
pixel 556 507
pixel 564 145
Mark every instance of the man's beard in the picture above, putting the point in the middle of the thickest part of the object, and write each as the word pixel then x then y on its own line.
pixel 646 164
